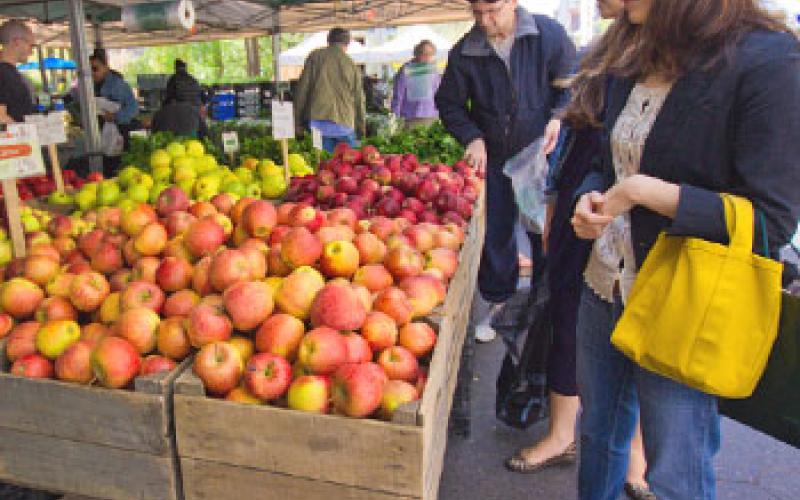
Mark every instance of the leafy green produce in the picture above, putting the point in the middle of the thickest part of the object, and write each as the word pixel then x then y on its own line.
pixel 431 144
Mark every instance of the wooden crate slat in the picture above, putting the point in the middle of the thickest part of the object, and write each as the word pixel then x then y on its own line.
pixel 354 452
pixel 55 464
pixel 213 481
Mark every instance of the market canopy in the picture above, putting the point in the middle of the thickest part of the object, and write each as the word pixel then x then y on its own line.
pixel 49 63
pixel 401 47
pixel 296 56
pixel 219 19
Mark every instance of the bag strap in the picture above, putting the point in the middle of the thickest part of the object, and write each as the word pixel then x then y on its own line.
pixel 739 219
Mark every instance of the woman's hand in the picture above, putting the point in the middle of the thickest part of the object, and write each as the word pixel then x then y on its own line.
pixel 551 132
pixel 475 155
pixel 589 219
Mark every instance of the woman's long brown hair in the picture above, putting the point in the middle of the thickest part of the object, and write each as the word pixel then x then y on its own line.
pixel 678 36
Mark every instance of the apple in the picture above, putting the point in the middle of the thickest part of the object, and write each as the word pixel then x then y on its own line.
pixel 107 258
pixel 284 212
pixel 309 393
pixel 300 248
pixel 399 363
pixel 327 234
pixel 424 293
pixel 277 235
pixel 51 308
pixel 202 209
pixel 204 236
pixel 176 248
pixel 357 389
pixel 139 326
pixel 443 259
pixel 403 262
pixel 201 282
pixel 142 294
pixel 89 242
pixel 380 331
pixel 171 200
pixel 256 252
pixel 173 274
pixel 267 376
pixel 135 220
pixel 338 306
pixel 32 366
pixel 382 227
pixel 19 297
pixel 339 259
pixel 207 324
pixel 249 304
pixel 322 351
pixel 242 395
pixel 394 302
pixel 259 218
pixel 228 267
pixel 298 291
pixel 371 248
pixel 180 303
pixel 6 324
pixel 358 349
pixel 244 346
pixel 342 217
pixel 151 240
pixel 88 291
pixel 277 266
pixel 171 338
pixel 219 367
pixel 177 223
pixel 395 394
pixel 74 364
pixel 60 226
pixel 156 364
pixel 22 340
pixel 94 332
pixel 280 334
pixel 374 277
pixel 419 338
pixel 145 269
pixel 115 362
pixel 40 269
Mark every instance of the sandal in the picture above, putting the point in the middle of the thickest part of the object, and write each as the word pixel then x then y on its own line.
pixel 638 492
pixel 519 464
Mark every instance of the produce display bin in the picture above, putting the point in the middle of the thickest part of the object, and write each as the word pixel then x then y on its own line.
pixel 91 441
pixel 231 450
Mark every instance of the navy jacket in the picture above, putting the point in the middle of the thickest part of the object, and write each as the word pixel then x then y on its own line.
pixel 734 129
pixel 480 97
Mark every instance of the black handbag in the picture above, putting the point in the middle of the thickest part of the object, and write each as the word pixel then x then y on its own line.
pixel 526 328
pixel 774 407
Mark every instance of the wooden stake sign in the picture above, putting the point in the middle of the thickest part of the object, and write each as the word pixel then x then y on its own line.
pixel 230 145
pixel 283 130
pixel 51 131
pixel 20 156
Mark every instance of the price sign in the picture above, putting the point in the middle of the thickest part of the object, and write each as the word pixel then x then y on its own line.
pixel 20 152
pixel 282 120
pixel 50 127
pixel 140 134
pixel 230 142
pixel 316 138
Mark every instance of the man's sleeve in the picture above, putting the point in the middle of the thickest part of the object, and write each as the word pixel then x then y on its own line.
pixel 560 67
pixel 129 108
pixel 451 101
pixel 301 92
pixel 360 104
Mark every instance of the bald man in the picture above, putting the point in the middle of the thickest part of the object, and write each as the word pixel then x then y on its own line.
pixel 17 42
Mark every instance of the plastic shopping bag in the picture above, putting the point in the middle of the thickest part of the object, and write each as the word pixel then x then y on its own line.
pixel 528 171
pixel 111 140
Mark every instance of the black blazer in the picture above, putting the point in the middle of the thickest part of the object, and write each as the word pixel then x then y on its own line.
pixel 735 129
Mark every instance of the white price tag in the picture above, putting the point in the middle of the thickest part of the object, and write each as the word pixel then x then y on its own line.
pixel 282 120
pixel 20 152
pixel 50 127
pixel 316 138
pixel 230 142
pixel 141 134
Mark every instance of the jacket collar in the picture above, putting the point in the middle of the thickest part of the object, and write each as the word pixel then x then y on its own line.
pixel 477 44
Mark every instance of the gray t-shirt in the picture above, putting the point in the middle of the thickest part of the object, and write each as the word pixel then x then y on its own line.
pixel 503 49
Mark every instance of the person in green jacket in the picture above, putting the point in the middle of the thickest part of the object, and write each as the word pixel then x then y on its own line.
pixel 330 94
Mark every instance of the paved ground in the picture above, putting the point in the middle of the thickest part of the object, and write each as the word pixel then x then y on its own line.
pixel 751 466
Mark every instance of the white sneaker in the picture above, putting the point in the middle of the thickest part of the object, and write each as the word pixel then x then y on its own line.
pixel 486 311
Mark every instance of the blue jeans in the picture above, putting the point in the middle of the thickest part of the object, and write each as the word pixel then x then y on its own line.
pixel 680 426
pixel 330 142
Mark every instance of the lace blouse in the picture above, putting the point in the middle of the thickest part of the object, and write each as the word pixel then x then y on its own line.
pixel 612 258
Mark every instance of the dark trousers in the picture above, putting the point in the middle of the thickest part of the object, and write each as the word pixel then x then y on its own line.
pixel 561 374
pixel 499 271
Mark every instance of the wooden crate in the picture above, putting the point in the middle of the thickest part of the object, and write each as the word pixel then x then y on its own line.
pixel 230 450
pixel 85 440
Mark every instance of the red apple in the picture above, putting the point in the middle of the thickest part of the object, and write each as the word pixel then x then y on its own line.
pixel 171 338
pixel 177 223
pixel 338 306
pixel 394 302
pixel 32 366
pixel 22 340
pixel 204 236
pixel 219 367
pixel 374 277
pixel 339 259
pixel 174 274
pixel 300 248
pixel 403 262
pixel 6 324
pixel 228 267
pixel 357 389
pixel 201 282
pixel 139 326
pixel 136 219
pixel 309 393
pixel 267 376
pixel 259 218
pixel 424 293
pixel 358 349
pixel 280 334
pixel 74 365
pixel 395 394
pixel 142 294
pixel 54 308
pixel 370 248
pixel 180 303
pixel 322 351
pixel 249 304
pixel 88 291
pixel 207 324
pixel 399 363
pixel 115 362
pixel 419 338
pixel 155 364
pixel 171 200
pixel 145 269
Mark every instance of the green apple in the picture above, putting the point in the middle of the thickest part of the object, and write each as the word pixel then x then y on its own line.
pixel 156 190
pixel 160 158
pixel 145 179
pixel 108 193
pixel 273 186
pixel 30 223
pixel 6 252
pixel 244 174
pixel 176 150
pixel 162 174
pixel 57 198
pixel 254 190
pixel 186 185
pixel 236 187
pixel 128 204
pixel 194 148
pixel 139 193
pixel 86 197
pixel 127 174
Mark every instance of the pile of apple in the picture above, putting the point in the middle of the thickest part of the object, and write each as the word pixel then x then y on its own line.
pixel 293 306
pixel 391 186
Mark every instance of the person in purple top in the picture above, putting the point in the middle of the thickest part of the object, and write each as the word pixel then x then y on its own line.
pixel 415 86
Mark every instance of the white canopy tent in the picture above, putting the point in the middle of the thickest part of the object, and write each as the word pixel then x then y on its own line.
pixel 296 56
pixel 401 47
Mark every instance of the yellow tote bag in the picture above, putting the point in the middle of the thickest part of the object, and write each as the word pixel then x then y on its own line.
pixel 705 314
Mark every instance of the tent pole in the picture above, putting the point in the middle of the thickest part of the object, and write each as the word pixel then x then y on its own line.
pixel 253 63
pixel 85 84
pixel 276 46
pixel 42 69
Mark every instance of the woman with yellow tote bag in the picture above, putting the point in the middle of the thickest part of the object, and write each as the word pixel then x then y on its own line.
pixel 696 99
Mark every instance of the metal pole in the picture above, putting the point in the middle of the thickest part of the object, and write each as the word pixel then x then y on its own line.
pixel 85 85
pixel 98 35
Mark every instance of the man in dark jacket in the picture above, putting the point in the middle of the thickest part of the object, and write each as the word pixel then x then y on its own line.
pixel 499 93
pixel 183 87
